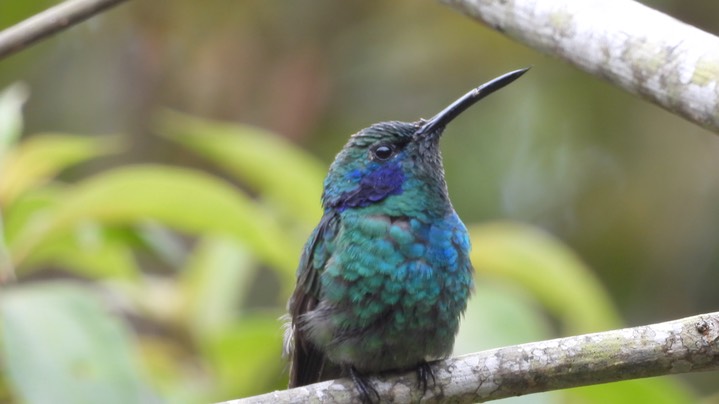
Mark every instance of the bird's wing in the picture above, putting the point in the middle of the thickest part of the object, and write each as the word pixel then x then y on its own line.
pixel 308 363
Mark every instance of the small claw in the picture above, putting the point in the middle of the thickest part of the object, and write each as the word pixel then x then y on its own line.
pixel 368 394
pixel 424 373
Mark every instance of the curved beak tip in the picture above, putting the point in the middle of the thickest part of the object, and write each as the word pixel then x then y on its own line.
pixel 456 108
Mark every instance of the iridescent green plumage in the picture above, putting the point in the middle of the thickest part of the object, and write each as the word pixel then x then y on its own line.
pixel 385 276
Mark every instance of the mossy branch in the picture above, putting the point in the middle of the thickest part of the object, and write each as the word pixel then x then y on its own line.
pixel 641 50
pixel 48 22
pixel 681 346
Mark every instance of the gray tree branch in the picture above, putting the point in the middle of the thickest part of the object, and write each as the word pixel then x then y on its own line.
pixel 681 346
pixel 641 50
pixel 48 22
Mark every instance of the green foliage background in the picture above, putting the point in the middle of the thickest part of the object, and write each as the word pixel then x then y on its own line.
pixel 146 254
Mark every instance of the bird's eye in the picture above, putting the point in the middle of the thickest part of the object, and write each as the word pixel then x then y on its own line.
pixel 382 152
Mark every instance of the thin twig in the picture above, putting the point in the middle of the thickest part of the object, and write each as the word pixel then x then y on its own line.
pixel 641 50
pixel 681 346
pixel 48 22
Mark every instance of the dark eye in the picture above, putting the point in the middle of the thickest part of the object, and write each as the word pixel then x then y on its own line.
pixel 382 152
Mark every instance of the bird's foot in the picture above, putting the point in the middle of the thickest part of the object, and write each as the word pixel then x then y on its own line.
pixel 424 373
pixel 368 394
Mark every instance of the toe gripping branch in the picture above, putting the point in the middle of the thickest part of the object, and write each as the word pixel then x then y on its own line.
pixel 368 394
pixel 424 373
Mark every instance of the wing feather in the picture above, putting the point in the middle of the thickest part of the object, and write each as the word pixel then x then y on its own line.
pixel 308 362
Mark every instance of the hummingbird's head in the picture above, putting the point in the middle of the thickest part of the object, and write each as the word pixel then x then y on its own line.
pixel 398 165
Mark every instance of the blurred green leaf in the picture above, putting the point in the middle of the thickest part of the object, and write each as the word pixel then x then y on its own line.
pixel 217 276
pixel 28 206
pixel 274 167
pixel 549 270
pixel 247 358
pixel 7 271
pixel 184 199
pixel 11 101
pixel 38 159
pixel 485 323
pixel 89 251
pixel 61 347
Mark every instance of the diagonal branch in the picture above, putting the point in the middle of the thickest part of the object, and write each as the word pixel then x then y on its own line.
pixel 681 346
pixel 48 22
pixel 641 50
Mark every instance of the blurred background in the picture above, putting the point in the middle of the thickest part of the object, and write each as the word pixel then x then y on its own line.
pixel 161 167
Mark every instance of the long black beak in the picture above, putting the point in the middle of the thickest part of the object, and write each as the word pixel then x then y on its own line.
pixel 441 120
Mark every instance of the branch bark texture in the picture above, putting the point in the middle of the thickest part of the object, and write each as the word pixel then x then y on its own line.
pixel 681 346
pixel 48 22
pixel 643 51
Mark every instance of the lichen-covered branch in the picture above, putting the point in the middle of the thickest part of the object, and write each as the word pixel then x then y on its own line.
pixel 48 22
pixel 639 49
pixel 681 346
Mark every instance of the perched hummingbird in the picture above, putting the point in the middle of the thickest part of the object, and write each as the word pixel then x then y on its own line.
pixel 385 276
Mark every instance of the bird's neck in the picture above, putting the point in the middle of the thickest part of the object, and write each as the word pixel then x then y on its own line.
pixel 410 203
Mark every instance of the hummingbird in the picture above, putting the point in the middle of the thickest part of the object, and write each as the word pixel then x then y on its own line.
pixel 385 276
